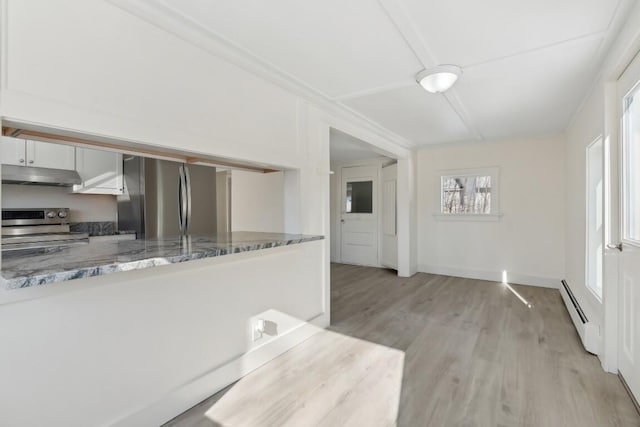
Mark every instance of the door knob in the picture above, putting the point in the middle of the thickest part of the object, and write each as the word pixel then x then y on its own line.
pixel 30 161
pixel 612 246
pixel 21 160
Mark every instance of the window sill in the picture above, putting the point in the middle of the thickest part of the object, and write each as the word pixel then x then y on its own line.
pixel 468 217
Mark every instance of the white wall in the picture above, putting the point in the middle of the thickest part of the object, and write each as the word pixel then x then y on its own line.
pixel 84 207
pixel 527 241
pixel 223 200
pixel 408 215
pixel 586 127
pixel 139 82
pixel 257 201
pixel 334 207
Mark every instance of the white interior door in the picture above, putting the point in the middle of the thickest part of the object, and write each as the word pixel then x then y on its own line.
pixel 389 240
pixel 629 228
pixel 359 216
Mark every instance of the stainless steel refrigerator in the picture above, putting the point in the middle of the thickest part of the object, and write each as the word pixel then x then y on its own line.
pixel 164 198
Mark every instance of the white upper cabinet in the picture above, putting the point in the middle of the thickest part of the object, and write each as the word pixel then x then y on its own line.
pixel 101 172
pixel 47 155
pixel 13 151
pixel 22 152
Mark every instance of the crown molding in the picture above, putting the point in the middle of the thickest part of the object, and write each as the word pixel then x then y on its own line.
pixel 162 16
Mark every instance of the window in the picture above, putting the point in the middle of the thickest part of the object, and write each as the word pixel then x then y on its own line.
pixel 466 194
pixel 469 192
pixel 595 219
pixel 359 197
pixel 630 168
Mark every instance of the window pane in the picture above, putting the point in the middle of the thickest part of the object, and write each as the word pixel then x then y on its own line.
pixel 595 207
pixel 631 175
pixel 469 194
pixel 359 197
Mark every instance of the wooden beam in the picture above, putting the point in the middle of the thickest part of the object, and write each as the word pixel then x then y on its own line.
pixel 225 163
pixel 8 131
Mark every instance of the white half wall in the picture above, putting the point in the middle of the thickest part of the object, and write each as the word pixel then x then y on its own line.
pixel 527 241
pixel 138 348
pixel 257 201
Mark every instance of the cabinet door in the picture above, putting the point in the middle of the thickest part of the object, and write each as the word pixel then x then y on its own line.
pixel 101 171
pixel 48 155
pixel 13 151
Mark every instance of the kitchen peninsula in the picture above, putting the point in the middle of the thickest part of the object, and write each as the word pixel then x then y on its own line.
pixel 25 268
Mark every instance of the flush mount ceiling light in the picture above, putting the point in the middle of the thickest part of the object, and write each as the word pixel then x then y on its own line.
pixel 439 79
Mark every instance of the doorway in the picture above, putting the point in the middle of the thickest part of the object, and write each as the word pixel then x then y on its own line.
pixel 363 203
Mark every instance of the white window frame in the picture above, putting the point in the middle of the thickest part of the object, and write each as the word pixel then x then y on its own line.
pixel 495 213
pixel 590 200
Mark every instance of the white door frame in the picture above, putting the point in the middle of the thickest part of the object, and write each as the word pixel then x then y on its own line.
pixel 390 147
pixel 337 188
pixel 610 289
pixel 625 262
pixel 612 141
pixel 592 202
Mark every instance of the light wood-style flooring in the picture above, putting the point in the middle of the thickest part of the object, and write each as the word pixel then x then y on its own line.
pixel 428 351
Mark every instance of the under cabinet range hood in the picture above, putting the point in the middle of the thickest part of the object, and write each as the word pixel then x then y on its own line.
pixel 39 176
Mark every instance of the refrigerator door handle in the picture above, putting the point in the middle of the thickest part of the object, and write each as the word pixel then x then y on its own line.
pixel 188 193
pixel 182 201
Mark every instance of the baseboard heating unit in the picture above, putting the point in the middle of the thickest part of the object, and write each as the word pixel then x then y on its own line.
pixel 588 331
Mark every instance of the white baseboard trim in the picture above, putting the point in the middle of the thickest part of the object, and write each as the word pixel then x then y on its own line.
pixel 492 276
pixel 197 390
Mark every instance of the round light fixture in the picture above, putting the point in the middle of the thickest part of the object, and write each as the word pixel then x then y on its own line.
pixel 439 79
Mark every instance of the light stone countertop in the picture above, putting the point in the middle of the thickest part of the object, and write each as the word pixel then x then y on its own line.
pixel 31 267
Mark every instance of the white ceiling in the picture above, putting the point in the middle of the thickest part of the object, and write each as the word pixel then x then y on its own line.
pixel 527 64
pixel 345 148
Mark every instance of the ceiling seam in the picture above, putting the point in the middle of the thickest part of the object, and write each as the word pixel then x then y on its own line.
pixel 614 15
pixel 385 88
pixel 590 36
pixel 452 98
pixel 395 12
pixel 426 58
